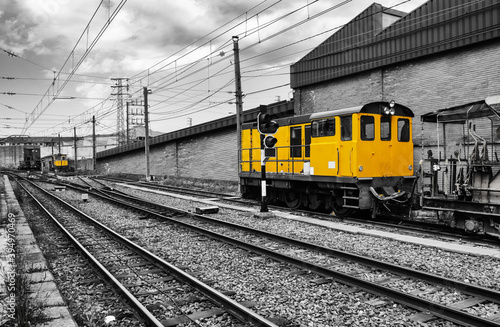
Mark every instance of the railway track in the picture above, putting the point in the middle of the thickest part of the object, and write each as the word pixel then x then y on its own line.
pixel 146 282
pixel 414 227
pixel 370 275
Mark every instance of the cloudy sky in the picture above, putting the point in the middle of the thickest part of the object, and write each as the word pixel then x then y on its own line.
pixel 57 57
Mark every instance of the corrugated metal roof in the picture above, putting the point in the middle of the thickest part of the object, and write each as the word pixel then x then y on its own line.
pixel 364 43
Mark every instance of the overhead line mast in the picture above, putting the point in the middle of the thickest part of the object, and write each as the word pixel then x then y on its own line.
pixel 121 133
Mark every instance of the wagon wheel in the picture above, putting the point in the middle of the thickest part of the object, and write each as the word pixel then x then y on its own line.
pixel 292 200
pixel 315 201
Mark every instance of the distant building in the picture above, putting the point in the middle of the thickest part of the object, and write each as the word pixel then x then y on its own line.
pixel 12 148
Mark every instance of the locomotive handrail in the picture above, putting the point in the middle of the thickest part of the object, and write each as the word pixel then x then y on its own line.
pixel 276 159
pixel 338 161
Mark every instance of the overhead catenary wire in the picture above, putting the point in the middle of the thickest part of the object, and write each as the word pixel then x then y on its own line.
pixel 240 23
pixel 148 71
pixel 196 99
pixel 40 108
pixel 281 17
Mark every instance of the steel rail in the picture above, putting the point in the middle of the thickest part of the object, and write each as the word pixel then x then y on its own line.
pixel 141 310
pixel 169 188
pixel 488 294
pixel 409 300
pixel 412 226
pixel 234 308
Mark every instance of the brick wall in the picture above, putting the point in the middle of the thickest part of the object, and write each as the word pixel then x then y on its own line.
pixel 211 155
pixel 427 84
pixel 205 156
pixel 437 82
pixel 346 92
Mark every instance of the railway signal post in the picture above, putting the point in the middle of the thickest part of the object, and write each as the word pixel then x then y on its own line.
pixel 266 128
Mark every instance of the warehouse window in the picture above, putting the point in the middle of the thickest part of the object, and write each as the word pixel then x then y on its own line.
pixel 324 127
pixel 403 130
pixel 367 128
pixel 385 128
pixel 295 142
pixel 346 128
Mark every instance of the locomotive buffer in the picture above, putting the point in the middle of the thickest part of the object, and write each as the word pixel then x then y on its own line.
pixel 267 128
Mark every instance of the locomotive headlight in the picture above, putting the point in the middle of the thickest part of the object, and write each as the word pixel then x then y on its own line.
pixel 410 167
pixel 360 168
pixel 390 110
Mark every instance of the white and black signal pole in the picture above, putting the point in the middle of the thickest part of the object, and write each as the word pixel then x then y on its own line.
pixel 266 128
pixel 263 182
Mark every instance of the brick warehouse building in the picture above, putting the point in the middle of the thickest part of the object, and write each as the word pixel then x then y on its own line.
pixel 442 54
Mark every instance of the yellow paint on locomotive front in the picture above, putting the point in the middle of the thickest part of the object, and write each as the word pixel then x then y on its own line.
pixel 373 156
pixel 60 163
pixel 384 155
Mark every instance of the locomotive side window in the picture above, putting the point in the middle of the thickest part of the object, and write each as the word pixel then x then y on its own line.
pixel 367 128
pixel 315 128
pixel 403 130
pixel 385 128
pixel 324 127
pixel 346 128
pixel 295 142
pixel 307 139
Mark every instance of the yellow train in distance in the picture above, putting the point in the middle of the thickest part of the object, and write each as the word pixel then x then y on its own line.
pixel 55 162
pixel 345 160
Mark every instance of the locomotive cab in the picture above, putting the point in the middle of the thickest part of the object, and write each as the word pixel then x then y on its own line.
pixel 361 142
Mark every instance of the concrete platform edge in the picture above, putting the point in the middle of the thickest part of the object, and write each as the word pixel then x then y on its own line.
pixel 35 267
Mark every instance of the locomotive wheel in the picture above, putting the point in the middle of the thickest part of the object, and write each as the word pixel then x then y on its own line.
pixel 292 200
pixel 315 201
pixel 339 210
pixel 342 212
pixel 271 196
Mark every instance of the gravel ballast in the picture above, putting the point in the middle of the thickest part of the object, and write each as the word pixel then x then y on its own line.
pixel 345 308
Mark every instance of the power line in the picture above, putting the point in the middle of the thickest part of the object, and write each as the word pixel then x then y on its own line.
pixel 40 108
pixel 198 47
pixel 10 78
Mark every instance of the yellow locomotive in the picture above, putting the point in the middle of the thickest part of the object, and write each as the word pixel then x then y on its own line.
pixel 345 160
pixel 55 162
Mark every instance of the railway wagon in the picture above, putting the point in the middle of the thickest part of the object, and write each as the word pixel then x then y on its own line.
pixel 345 160
pixel 31 158
pixel 461 177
